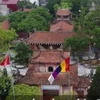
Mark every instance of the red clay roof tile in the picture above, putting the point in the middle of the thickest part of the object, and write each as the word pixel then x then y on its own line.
pixel 5 25
pixel 63 12
pixel 38 78
pixel 48 37
pixel 61 25
pixel 47 56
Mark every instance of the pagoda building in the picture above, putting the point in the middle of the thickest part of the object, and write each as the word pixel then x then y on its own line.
pixel 48 54
pixel 63 22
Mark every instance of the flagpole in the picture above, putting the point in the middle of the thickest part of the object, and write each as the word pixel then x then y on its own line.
pixel 12 85
pixel 68 85
pixel 69 50
pixel 12 80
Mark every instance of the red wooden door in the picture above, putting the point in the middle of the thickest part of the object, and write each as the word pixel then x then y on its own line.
pixel 49 94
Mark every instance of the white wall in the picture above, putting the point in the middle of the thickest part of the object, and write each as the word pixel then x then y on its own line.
pixel 4 10
pixel 37 2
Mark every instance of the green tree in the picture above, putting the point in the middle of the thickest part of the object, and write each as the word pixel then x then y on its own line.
pixel 94 90
pixel 2 18
pixel 23 91
pixel 42 11
pixel 64 5
pixel 23 53
pixel 76 6
pixel 89 24
pixel 38 19
pixel 78 44
pixel 50 5
pixel 5 38
pixel 5 84
pixel 15 18
pixel 25 4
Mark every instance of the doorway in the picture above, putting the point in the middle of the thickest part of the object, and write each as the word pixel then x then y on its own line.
pixel 49 94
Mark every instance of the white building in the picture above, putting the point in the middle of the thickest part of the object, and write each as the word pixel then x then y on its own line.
pixel 37 2
pixel 3 9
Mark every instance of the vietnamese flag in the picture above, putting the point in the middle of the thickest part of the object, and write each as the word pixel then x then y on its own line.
pixel 6 61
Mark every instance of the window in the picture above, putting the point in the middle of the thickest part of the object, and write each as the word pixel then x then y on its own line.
pixel 50 69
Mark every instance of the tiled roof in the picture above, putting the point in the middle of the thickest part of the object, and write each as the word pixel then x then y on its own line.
pixel 48 37
pixel 5 25
pixel 61 25
pixel 83 82
pixel 63 12
pixel 49 56
pixel 12 7
pixel 27 10
pixel 6 2
pixel 32 78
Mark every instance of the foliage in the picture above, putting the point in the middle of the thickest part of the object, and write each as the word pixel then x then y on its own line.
pixel 42 11
pixel 15 18
pixel 77 43
pixel 23 53
pixel 37 19
pixel 89 24
pixel 64 5
pixel 94 90
pixel 5 84
pixel 25 4
pixel 65 97
pixel 50 5
pixel 26 92
pixel 77 5
pixel 69 96
pixel 5 38
pixel 2 18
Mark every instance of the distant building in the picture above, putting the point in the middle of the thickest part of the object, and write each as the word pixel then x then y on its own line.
pixel 36 2
pixel 42 2
pixel 63 21
pixel 6 6
pixel 92 7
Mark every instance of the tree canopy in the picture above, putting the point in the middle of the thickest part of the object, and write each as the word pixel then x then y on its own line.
pixel 78 44
pixel 5 38
pixel 38 19
pixel 23 53
pixel 63 5
pixel 23 91
pixel 2 18
pixel 5 84
pixel 15 18
pixel 50 5
pixel 89 23
pixel 94 90
pixel 25 4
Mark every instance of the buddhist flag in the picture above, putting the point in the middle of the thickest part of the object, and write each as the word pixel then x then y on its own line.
pixel 63 67
pixel 6 61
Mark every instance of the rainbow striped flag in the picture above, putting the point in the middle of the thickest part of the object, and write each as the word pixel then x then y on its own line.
pixel 63 67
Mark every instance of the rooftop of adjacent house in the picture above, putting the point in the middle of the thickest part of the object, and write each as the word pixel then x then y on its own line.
pixel 6 2
pixel 63 12
pixel 27 10
pixel 48 37
pixel 61 25
pixel 5 25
